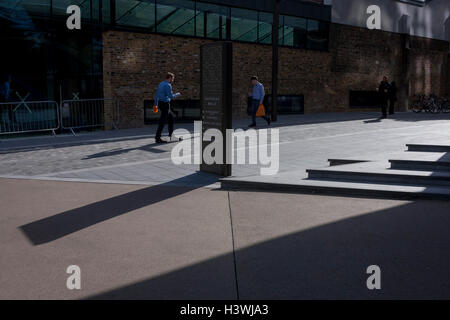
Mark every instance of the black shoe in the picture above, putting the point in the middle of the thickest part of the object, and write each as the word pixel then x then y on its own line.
pixel 159 140
pixel 252 125
pixel 268 121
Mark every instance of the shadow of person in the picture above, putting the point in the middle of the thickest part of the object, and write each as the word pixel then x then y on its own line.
pixel 118 151
pixel 374 120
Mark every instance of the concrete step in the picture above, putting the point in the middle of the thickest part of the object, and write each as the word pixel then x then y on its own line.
pixel 428 148
pixel 379 174
pixel 420 165
pixel 336 188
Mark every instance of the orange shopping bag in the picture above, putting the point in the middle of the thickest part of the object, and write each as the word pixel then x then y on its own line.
pixel 155 109
pixel 261 111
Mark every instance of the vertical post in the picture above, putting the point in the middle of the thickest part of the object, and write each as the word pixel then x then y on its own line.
pixel 100 12
pixel 205 24
pixel 228 26
pixel 112 8
pixel 275 38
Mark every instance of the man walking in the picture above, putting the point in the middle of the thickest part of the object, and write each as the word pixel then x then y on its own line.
pixel 163 96
pixel 383 90
pixel 257 99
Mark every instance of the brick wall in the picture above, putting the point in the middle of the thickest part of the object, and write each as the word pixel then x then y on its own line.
pixel 358 58
pixel 428 66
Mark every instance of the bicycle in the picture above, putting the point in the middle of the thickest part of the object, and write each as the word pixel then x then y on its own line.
pixel 422 103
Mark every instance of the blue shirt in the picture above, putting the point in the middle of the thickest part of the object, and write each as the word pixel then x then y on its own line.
pixel 258 92
pixel 164 92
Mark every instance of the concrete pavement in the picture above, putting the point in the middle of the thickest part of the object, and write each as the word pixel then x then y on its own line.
pixel 136 242
pixel 150 229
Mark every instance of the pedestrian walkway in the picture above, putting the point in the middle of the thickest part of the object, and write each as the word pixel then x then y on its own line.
pixel 132 157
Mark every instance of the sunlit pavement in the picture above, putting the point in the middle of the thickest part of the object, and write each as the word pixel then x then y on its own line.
pixel 131 156
pixel 175 238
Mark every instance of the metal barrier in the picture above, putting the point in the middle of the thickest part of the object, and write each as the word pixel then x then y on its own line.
pixel 88 113
pixel 28 116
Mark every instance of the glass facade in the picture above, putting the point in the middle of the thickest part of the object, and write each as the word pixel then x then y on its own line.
pixel 46 61
pixel 199 19
pixel 42 58
pixel 133 13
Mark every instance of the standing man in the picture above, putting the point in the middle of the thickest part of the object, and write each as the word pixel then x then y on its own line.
pixel 163 96
pixel 5 88
pixel 392 97
pixel 383 90
pixel 257 99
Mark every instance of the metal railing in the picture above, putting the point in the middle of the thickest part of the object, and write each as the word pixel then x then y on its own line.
pixel 86 113
pixel 28 116
pixel 35 116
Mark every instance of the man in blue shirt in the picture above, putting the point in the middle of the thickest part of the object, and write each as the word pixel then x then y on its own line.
pixel 257 99
pixel 163 96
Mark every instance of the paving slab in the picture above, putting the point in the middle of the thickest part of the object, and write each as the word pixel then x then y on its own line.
pixel 131 242
pixel 291 246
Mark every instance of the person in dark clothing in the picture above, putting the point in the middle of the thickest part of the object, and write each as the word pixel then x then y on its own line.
pixel 163 96
pixel 4 97
pixel 383 90
pixel 392 97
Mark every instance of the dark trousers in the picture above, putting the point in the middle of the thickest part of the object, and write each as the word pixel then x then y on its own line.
pixel 166 115
pixel 255 106
pixel 392 106
pixel 384 106
pixel 9 110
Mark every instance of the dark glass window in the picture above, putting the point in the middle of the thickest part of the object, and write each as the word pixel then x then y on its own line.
pixel 36 7
pixel 136 13
pixel 265 28
pixel 59 7
pixel 211 20
pixel 176 17
pixel 106 11
pixel 294 32
pixel 364 99
pixel 101 11
pixel 287 104
pixel 244 25
pixel 317 35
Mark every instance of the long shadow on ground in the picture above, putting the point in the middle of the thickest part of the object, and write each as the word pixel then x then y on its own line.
pixel 65 223
pixel 410 243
